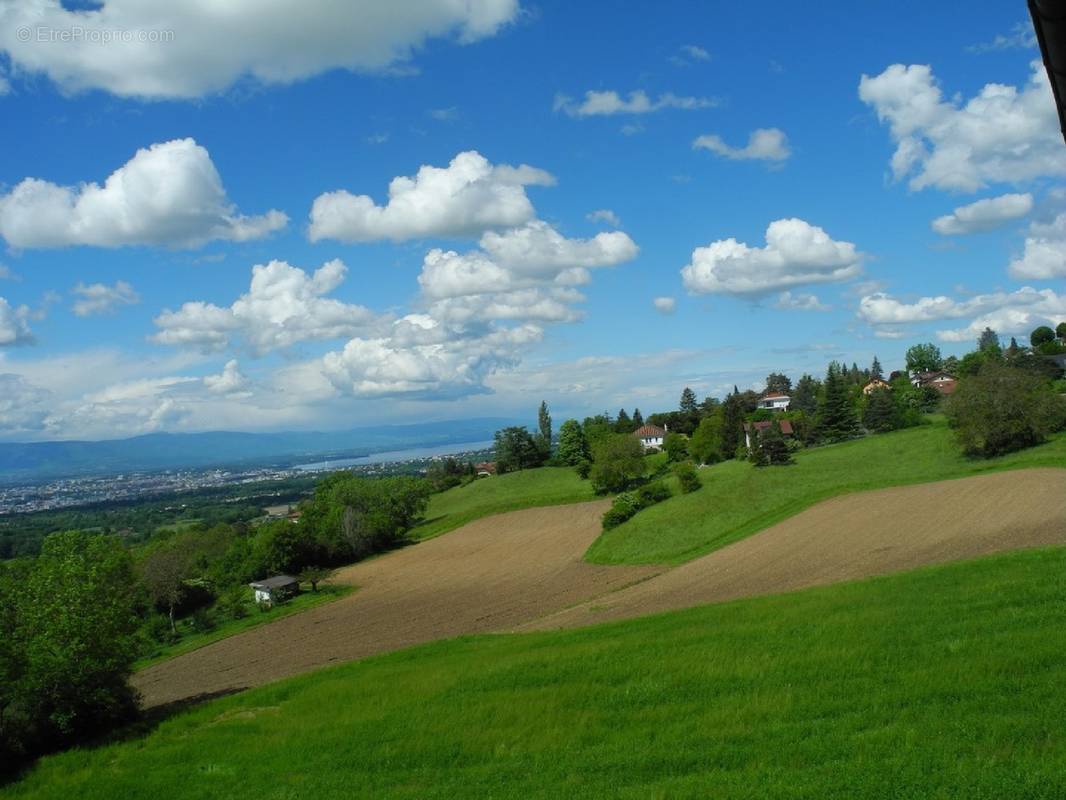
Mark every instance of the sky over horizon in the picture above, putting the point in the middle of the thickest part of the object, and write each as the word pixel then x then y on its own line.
pixel 332 214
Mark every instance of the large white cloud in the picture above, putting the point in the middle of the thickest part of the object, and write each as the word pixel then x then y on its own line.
pixel 181 50
pixel 609 103
pixel 764 144
pixel 984 215
pixel 1007 313
pixel 22 405
pixel 1001 135
pixel 99 298
pixel 167 194
pixel 14 328
pixel 465 198
pixel 283 306
pixel 796 253
pixel 230 381
pixel 1044 257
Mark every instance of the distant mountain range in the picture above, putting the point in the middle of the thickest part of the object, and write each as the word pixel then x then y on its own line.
pixel 22 462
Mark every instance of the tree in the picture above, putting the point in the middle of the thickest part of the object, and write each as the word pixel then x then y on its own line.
pixel 988 342
pixel 544 427
pixel 706 443
pixel 676 447
pixel 623 424
pixel 1002 409
pixel 805 398
pixel 573 446
pixel 732 432
pixel 517 450
pixel 1060 330
pixel 881 413
pixel 163 574
pixel 773 447
pixel 1041 335
pixel 315 575
pixel 638 418
pixel 836 419
pixel 923 358
pixel 756 454
pixel 617 461
pixel 776 383
pixel 876 373
pixel 79 624
pixel 12 666
pixel 688 403
pixel 687 476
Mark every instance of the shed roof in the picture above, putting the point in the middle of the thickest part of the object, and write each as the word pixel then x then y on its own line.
pixel 275 582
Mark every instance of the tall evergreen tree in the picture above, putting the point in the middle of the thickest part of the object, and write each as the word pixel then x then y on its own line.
pixel 544 424
pixel 881 413
pixel 805 397
pixel 836 413
pixel 732 425
pixel 774 450
pixel 688 401
pixel 638 418
pixel 623 424
pixel 876 373
pixel 988 342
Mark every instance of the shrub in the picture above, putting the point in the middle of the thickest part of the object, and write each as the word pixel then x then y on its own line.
pixel 676 447
pixel 651 493
pixel 584 466
pixel 623 507
pixel 618 462
pixel 1002 409
pixel 687 476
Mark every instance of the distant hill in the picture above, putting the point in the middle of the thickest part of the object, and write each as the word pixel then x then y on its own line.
pixel 27 461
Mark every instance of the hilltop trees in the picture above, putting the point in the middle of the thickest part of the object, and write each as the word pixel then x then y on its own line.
pixel 881 413
pixel 544 430
pixel 617 461
pixel 1003 408
pixel 516 449
pixel 876 373
pixel 706 443
pixel 988 342
pixel 805 397
pixel 923 358
pixel 688 403
pixel 573 445
pixel 1040 336
pixel 777 383
pixel 836 419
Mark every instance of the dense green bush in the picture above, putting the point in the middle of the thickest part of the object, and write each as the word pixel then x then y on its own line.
pixel 1002 409
pixel 687 476
pixel 627 504
pixel 618 461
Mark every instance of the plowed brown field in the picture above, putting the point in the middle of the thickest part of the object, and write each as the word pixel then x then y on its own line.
pixel 523 571
pixel 854 536
pixel 490 575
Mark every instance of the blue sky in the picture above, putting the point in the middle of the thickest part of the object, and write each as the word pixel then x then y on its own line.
pixel 271 138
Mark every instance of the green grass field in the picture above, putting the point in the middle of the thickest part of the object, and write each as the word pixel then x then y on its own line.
pixel 738 500
pixel 947 682
pixel 547 486
pixel 193 641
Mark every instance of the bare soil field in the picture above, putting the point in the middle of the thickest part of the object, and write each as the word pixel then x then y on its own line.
pixel 490 575
pixel 524 571
pixel 854 536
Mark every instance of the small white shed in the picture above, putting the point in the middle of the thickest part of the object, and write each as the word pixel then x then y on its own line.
pixel 275 589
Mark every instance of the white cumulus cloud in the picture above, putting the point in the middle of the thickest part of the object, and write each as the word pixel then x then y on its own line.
pixel 14 325
pixel 1006 313
pixel 168 194
pixel 604 215
pixel 181 50
pixel 228 382
pixel 465 198
pixel 1001 135
pixel 1044 256
pixel 283 306
pixel 99 298
pixel 664 305
pixel 984 215
pixel 800 301
pixel 796 253
pixel 764 144
pixel 608 103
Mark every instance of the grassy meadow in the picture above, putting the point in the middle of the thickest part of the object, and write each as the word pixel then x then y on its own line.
pixel 547 486
pixel 738 500
pixel 947 682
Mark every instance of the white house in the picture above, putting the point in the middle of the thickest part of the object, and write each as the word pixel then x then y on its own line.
pixel 276 589
pixel 775 402
pixel 651 436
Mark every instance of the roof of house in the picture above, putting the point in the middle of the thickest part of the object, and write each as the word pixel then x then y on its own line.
pixel 775 396
pixel 762 425
pixel 275 582
pixel 649 432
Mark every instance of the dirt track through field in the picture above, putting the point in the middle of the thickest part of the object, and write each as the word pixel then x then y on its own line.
pixel 523 571
pixel 854 536
pixel 492 574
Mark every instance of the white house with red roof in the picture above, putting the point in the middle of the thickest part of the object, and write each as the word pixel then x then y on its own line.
pixel 651 436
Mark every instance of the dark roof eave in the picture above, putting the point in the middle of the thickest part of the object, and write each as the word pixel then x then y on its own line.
pixel 1049 23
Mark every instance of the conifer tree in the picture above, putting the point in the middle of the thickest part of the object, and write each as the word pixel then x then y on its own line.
pixel 836 413
pixel 688 403
pixel 876 373
pixel 772 446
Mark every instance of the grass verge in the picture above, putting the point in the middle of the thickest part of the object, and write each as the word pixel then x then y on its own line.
pixel 947 682
pixel 547 486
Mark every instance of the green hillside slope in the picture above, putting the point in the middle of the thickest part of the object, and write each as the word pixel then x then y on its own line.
pixel 945 682
pixel 738 500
